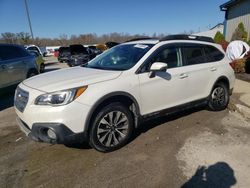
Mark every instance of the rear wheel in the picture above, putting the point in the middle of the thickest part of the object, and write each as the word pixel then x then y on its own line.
pixel 112 128
pixel 219 97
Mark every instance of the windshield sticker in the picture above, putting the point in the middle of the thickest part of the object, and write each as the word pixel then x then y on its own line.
pixel 142 46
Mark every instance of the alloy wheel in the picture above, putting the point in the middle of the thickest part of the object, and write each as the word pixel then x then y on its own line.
pixel 218 96
pixel 112 128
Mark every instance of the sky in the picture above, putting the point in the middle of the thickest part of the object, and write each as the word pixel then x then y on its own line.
pixel 52 18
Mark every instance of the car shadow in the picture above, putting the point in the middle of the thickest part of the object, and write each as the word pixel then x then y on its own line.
pixel 83 145
pixel 51 63
pixel 50 69
pixel 146 125
pixel 218 175
pixel 7 98
pixel 154 122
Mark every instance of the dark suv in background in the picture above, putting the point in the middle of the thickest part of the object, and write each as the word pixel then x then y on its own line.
pixel 64 54
pixel 16 64
pixel 79 55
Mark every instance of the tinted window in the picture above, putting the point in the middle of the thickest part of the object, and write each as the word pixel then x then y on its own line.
pixel 213 54
pixel 11 52
pixel 33 48
pixel 167 55
pixel 193 55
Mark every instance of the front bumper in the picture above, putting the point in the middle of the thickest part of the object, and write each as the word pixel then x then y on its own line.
pixel 39 132
pixel 68 121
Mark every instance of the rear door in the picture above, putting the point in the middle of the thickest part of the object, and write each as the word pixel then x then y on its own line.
pixel 199 69
pixel 13 65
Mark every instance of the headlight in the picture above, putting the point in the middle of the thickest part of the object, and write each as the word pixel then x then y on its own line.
pixel 60 97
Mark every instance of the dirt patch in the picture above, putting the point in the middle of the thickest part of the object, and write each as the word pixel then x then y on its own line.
pixel 207 150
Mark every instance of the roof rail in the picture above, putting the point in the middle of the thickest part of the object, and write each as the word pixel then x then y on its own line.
pixel 141 38
pixel 187 37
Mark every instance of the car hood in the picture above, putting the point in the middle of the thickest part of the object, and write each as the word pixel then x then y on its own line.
pixel 69 78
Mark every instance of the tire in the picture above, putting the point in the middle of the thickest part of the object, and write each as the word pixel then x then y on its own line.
pixel 32 73
pixel 106 134
pixel 42 68
pixel 219 97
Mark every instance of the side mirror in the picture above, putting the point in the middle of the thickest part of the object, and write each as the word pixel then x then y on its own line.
pixel 157 67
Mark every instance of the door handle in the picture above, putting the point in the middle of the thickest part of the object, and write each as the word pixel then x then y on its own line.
pixel 183 75
pixel 213 69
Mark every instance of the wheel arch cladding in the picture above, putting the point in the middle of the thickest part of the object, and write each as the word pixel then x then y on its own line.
pixel 125 98
pixel 222 79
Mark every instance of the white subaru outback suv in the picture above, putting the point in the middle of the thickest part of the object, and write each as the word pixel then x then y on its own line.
pixel 103 101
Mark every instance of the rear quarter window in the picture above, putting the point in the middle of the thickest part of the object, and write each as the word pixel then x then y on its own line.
pixel 213 54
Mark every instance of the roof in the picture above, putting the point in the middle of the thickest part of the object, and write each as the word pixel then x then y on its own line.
pixel 211 32
pixel 228 4
pixel 143 42
pixel 216 26
pixel 179 37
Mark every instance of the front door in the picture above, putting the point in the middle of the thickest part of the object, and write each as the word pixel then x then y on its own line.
pixel 166 89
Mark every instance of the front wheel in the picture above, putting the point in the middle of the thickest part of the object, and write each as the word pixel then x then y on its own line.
pixel 32 73
pixel 219 97
pixel 112 128
pixel 42 68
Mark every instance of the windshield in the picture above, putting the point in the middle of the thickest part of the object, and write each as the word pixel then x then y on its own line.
pixel 121 57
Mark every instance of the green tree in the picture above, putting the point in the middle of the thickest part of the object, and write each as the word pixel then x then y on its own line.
pixel 240 33
pixel 219 37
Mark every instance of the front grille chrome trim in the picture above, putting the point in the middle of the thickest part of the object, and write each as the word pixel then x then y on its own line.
pixel 21 99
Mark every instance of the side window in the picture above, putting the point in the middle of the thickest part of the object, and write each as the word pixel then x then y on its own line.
pixel 213 54
pixel 193 55
pixel 11 52
pixel 8 52
pixel 167 55
pixel 33 48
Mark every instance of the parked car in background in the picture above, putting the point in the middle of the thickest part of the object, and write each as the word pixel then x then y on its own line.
pixel 104 101
pixel 16 64
pixel 39 60
pixel 64 54
pixel 79 55
pixel 50 50
pixel 56 53
pixel 101 47
pixel 111 44
pixel 94 51
pixel 43 50
pixel 34 48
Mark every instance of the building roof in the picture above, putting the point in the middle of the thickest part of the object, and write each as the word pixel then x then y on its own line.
pixel 228 4
pixel 211 32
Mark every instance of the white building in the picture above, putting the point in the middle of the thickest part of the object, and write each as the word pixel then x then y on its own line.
pixel 211 32
pixel 236 11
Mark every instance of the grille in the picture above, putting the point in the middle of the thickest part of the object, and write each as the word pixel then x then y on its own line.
pixel 21 99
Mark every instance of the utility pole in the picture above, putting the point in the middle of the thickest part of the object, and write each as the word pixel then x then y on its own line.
pixel 28 15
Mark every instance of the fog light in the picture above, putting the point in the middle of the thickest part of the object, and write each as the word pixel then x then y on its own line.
pixel 51 134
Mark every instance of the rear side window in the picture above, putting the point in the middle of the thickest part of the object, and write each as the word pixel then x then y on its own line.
pixel 33 48
pixel 213 54
pixel 11 52
pixel 193 55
